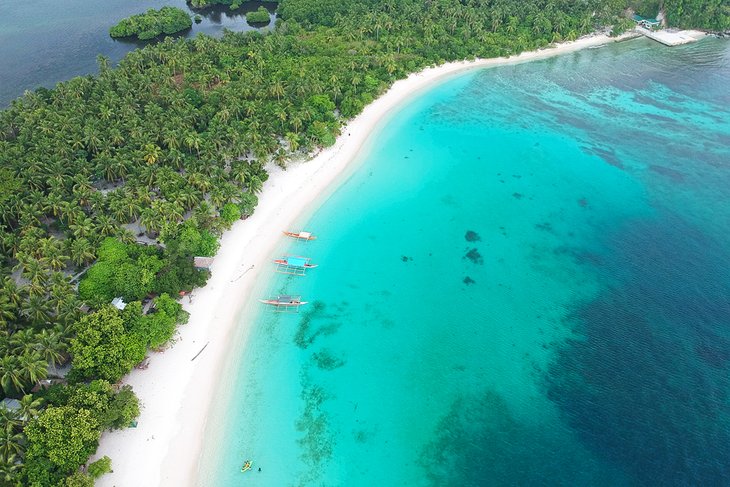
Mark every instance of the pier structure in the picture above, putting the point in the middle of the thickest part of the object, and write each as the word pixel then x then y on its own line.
pixel 671 37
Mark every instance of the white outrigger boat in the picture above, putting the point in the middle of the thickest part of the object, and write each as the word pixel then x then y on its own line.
pixel 300 235
pixel 285 303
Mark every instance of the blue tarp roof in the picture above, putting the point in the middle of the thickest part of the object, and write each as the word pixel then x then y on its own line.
pixel 639 18
pixel 296 261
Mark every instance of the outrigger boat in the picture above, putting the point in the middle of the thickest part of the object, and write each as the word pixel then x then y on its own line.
pixel 246 466
pixel 285 303
pixel 300 235
pixel 294 265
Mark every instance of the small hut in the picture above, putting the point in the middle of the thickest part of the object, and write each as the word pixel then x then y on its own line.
pixel 10 404
pixel 119 303
pixel 646 23
pixel 202 262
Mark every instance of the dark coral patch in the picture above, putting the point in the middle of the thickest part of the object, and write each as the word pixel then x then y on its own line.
pixel 474 256
pixel 468 281
pixel 583 202
pixel 672 174
pixel 472 236
pixel 608 155
pixel 326 360
pixel 517 196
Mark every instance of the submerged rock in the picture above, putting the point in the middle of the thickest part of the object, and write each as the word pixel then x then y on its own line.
pixel 474 256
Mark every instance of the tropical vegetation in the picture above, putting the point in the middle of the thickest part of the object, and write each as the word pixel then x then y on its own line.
pixel 700 14
pixel 258 16
pixel 687 14
pixel 111 184
pixel 232 4
pixel 152 23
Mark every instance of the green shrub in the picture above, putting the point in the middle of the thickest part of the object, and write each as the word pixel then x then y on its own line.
pixel 102 347
pixel 258 16
pixel 59 441
pixel 123 408
pixel 100 467
pixel 230 213
pixel 79 479
pixel 248 204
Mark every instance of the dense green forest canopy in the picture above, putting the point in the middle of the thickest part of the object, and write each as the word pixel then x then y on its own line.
pixel 152 23
pixel 699 14
pixel 110 184
pixel 687 14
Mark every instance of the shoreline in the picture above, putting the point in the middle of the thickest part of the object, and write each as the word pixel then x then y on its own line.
pixel 176 393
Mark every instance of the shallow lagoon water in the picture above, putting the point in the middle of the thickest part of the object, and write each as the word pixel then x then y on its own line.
pixel 525 282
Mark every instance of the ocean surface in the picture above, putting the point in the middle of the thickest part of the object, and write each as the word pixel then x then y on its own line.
pixel 43 42
pixel 525 282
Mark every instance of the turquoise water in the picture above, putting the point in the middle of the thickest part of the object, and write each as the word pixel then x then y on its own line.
pixel 526 282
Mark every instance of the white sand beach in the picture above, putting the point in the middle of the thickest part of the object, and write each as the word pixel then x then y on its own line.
pixel 176 392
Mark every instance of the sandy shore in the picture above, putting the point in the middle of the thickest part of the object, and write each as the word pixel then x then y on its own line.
pixel 176 391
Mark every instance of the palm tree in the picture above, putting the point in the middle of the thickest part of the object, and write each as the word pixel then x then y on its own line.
pixel 35 309
pixel 171 139
pixel 53 204
pixel 32 269
pixel 53 255
pixel 193 141
pixel 105 225
pixel 7 310
pixel 11 376
pixel 150 220
pixel 293 140
pixel 11 442
pixel 21 341
pixel 33 368
pixel 30 407
pixel 82 252
pixel 9 469
pixel 131 208
pixel 199 181
pixel 254 184
pixel 12 291
pixel 50 345
pixel 152 153
pixel 9 417
pixel 277 89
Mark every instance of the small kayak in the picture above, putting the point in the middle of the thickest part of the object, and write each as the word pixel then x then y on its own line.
pixel 247 466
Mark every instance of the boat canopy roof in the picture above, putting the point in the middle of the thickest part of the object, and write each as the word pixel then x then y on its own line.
pixel 296 261
pixel 304 234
